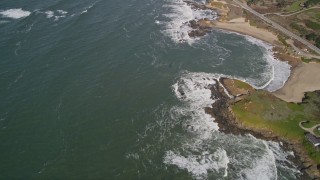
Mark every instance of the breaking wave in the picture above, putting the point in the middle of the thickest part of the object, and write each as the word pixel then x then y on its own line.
pixel 176 25
pixel 192 144
pixel 198 154
pixel 278 71
pixel 56 15
pixel 194 90
pixel 199 165
pixel 88 8
pixel 15 13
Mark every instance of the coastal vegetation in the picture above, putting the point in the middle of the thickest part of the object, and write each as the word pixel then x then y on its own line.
pixel 249 2
pixel 308 60
pixel 295 6
pixel 309 3
pixel 312 25
pixel 283 41
pixel 262 111
pixel 301 16
pixel 265 114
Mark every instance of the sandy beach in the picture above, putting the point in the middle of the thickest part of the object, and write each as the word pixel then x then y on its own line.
pixel 240 26
pixel 304 78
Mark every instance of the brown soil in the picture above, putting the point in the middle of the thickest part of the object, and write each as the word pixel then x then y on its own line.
pixel 234 89
pixel 235 12
pixel 283 55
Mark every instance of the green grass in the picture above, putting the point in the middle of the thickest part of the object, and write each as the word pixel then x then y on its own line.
pixel 309 124
pixel 283 41
pixel 242 85
pixel 262 111
pixel 252 1
pixel 317 16
pixel 258 108
pixel 308 60
pixel 310 3
pixel 295 107
pixel 313 13
pixel 299 28
pixel 295 6
pixel 312 152
pixel 312 25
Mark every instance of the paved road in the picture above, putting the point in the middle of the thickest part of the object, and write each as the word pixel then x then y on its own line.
pixel 301 52
pixel 290 14
pixel 280 28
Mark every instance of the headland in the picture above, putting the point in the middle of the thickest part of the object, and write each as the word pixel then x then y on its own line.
pixel 268 115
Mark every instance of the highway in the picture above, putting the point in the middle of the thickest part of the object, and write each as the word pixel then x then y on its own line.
pixel 278 27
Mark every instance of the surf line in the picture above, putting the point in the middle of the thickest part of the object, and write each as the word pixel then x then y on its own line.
pixel 271 79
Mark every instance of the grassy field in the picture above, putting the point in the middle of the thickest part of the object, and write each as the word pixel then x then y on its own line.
pixel 299 28
pixel 295 6
pixel 308 60
pixel 262 111
pixel 313 25
pixel 283 41
pixel 313 13
pixel 242 85
pixel 317 16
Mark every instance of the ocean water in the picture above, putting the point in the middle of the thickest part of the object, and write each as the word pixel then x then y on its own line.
pixel 90 89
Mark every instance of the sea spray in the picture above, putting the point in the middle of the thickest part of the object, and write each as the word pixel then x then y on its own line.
pixel 176 23
pixel 199 165
pixel 194 89
pixel 15 13
pixel 176 26
pixel 278 71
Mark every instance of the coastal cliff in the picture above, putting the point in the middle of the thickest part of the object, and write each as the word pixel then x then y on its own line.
pixel 241 109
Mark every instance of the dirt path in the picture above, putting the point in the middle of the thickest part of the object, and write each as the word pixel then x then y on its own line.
pixel 310 130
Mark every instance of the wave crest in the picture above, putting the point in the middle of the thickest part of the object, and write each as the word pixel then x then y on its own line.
pixel 15 13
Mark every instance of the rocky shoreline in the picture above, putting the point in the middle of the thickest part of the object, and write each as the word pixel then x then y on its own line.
pixel 228 124
pixel 226 14
pixel 228 17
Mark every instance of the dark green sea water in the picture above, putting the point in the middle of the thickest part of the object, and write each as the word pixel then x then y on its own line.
pixel 88 90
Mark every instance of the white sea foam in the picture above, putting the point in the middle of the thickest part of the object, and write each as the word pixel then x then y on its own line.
pixel 15 13
pixel 194 90
pixel 281 157
pixel 200 149
pixel 177 28
pixel 177 24
pixel 264 167
pixel 199 165
pixel 132 156
pixel 266 164
pixel 49 14
pixel 278 72
pixel 84 11
pixel 62 12
pixel 56 15
pixel 87 8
